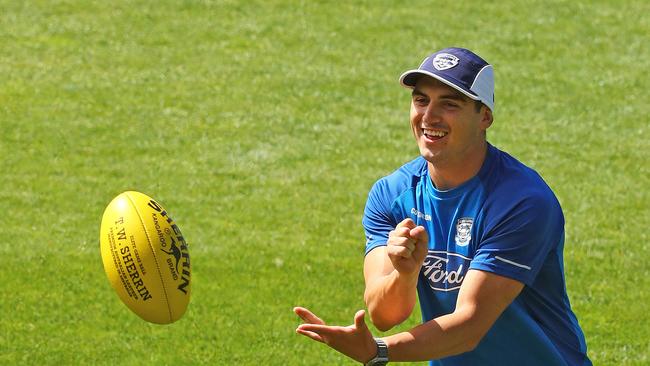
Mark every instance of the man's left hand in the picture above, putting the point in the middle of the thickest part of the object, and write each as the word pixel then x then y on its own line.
pixel 354 341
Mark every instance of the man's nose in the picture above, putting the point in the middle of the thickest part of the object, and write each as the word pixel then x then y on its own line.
pixel 431 114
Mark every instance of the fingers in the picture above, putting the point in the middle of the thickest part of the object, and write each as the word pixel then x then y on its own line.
pixel 422 238
pixel 354 341
pixel 320 329
pixel 325 331
pixel 419 233
pixel 407 246
pixel 408 230
pixel 310 319
pixel 401 241
pixel 321 332
pixel 307 316
pixel 402 251
pixel 406 223
pixel 312 335
pixel 403 228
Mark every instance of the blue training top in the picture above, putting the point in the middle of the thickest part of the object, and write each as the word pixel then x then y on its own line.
pixel 505 220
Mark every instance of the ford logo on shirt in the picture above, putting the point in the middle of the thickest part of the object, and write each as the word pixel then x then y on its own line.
pixel 445 271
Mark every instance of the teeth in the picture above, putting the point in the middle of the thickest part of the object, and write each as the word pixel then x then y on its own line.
pixel 434 132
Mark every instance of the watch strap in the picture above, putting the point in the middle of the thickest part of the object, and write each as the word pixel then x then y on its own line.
pixel 381 358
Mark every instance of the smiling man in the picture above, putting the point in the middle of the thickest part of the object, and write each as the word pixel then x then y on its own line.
pixel 473 233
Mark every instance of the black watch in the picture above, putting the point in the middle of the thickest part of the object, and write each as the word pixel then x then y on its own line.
pixel 381 358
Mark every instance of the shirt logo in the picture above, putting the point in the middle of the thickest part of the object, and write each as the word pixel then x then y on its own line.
pixel 445 271
pixel 420 215
pixel 464 231
pixel 444 61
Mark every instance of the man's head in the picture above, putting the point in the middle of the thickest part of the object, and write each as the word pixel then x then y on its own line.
pixel 449 112
pixel 459 68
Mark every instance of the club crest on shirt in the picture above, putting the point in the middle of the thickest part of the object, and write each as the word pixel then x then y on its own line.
pixel 464 231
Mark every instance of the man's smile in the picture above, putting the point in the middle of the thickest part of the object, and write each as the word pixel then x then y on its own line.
pixel 433 135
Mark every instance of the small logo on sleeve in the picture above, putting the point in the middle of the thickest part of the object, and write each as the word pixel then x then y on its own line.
pixel 464 231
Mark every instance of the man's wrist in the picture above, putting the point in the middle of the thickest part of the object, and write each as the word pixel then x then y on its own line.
pixel 410 279
pixel 381 358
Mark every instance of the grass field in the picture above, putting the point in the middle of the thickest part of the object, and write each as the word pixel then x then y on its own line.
pixel 261 125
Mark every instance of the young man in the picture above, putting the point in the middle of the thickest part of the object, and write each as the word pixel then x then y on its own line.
pixel 475 233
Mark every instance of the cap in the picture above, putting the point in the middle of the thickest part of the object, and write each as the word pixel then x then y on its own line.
pixel 459 68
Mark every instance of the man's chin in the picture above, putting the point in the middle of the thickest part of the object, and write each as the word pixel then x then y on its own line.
pixel 432 157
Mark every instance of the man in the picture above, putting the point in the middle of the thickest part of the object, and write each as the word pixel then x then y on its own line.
pixel 475 233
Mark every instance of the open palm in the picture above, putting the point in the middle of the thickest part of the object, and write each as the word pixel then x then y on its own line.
pixel 354 341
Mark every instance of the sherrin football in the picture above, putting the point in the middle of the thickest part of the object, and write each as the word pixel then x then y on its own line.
pixel 145 257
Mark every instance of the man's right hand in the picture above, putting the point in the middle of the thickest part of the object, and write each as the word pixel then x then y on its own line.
pixel 407 247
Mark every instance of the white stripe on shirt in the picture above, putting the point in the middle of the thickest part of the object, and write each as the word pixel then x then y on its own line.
pixel 513 263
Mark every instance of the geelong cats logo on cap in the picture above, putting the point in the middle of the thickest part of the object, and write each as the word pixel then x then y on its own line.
pixel 444 61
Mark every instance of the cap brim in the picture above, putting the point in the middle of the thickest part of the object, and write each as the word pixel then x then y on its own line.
pixel 409 78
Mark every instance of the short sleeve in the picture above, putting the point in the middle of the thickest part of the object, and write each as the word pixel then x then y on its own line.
pixel 516 243
pixel 378 220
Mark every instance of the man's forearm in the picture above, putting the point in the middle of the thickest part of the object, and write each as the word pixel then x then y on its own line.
pixel 482 299
pixel 444 336
pixel 390 299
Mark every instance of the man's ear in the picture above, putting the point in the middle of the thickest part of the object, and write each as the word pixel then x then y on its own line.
pixel 486 117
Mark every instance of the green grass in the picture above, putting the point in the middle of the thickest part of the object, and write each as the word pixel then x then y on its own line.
pixel 261 126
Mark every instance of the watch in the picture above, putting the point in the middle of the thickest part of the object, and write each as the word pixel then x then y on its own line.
pixel 381 358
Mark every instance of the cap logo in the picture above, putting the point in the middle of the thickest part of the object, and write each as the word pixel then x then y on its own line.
pixel 444 61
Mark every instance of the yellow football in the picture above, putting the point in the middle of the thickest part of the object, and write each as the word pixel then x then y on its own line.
pixel 145 257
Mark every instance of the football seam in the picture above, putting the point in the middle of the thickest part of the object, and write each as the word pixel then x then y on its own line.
pixel 155 258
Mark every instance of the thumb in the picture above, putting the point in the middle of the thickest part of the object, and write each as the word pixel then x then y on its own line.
pixel 359 320
pixel 419 233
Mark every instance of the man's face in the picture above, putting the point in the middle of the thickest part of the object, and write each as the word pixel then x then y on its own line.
pixel 446 124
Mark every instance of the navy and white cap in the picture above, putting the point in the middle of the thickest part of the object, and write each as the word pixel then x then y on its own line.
pixel 459 68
